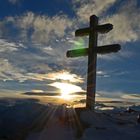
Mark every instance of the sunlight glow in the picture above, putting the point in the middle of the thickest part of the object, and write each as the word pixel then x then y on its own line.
pixel 37 91
pixel 65 75
pixel 66 89
pixel 80 43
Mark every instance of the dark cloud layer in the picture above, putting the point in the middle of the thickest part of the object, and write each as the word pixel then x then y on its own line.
pixel 41 94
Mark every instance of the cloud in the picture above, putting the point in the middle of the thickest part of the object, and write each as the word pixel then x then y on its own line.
pixel 125 22
pixel 32 93
pixel 122 54
pixel 37 91
pixel 40 68
pixel 100 72
pixel 14 1
pixel 110 94
pixel 131 96
pixel 37 76
pixel 46 28
pixel 119 96
pixel 65 76
pixel 9 72
pixel 6 46
pixel 35 28
pixel 85 8
pixel 40 28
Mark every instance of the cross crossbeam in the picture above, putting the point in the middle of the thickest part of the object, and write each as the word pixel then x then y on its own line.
pixel 99 50
pixel 100 28
pixel 92 52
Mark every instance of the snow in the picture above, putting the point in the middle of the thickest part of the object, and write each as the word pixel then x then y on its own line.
pixel 107 126
pixel 56 128
pixel 54 131
pixel 28 119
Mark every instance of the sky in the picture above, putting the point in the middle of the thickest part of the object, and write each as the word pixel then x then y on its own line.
pixel 35 36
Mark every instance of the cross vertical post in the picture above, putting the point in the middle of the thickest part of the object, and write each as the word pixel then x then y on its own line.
pixel 92 58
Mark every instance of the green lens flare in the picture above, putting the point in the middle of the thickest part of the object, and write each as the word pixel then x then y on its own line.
pixel 80 43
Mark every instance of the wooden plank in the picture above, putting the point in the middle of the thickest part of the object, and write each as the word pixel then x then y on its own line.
pixel 108 49
pixel 99 50
pixel 92 56
pixel 77 52
pixel 82 32
pixel 105 28
pixel 100 28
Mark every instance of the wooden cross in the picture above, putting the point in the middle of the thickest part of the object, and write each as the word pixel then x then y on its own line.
pixel 91 52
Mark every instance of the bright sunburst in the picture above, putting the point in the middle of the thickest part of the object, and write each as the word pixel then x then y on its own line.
pixel 66 89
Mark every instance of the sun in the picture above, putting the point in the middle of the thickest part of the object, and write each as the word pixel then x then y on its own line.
pixel 65 93
pixel 67 89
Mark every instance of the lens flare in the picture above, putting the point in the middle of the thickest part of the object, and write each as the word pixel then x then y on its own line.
pixel 80 43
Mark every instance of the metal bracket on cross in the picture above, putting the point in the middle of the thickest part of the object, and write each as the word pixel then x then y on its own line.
pixel 92 52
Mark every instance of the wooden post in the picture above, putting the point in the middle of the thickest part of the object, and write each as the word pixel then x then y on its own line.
pixel 92 57
pixel 92 52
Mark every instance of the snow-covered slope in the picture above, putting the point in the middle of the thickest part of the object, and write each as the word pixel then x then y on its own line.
pixel 28 119
pixel 111 125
